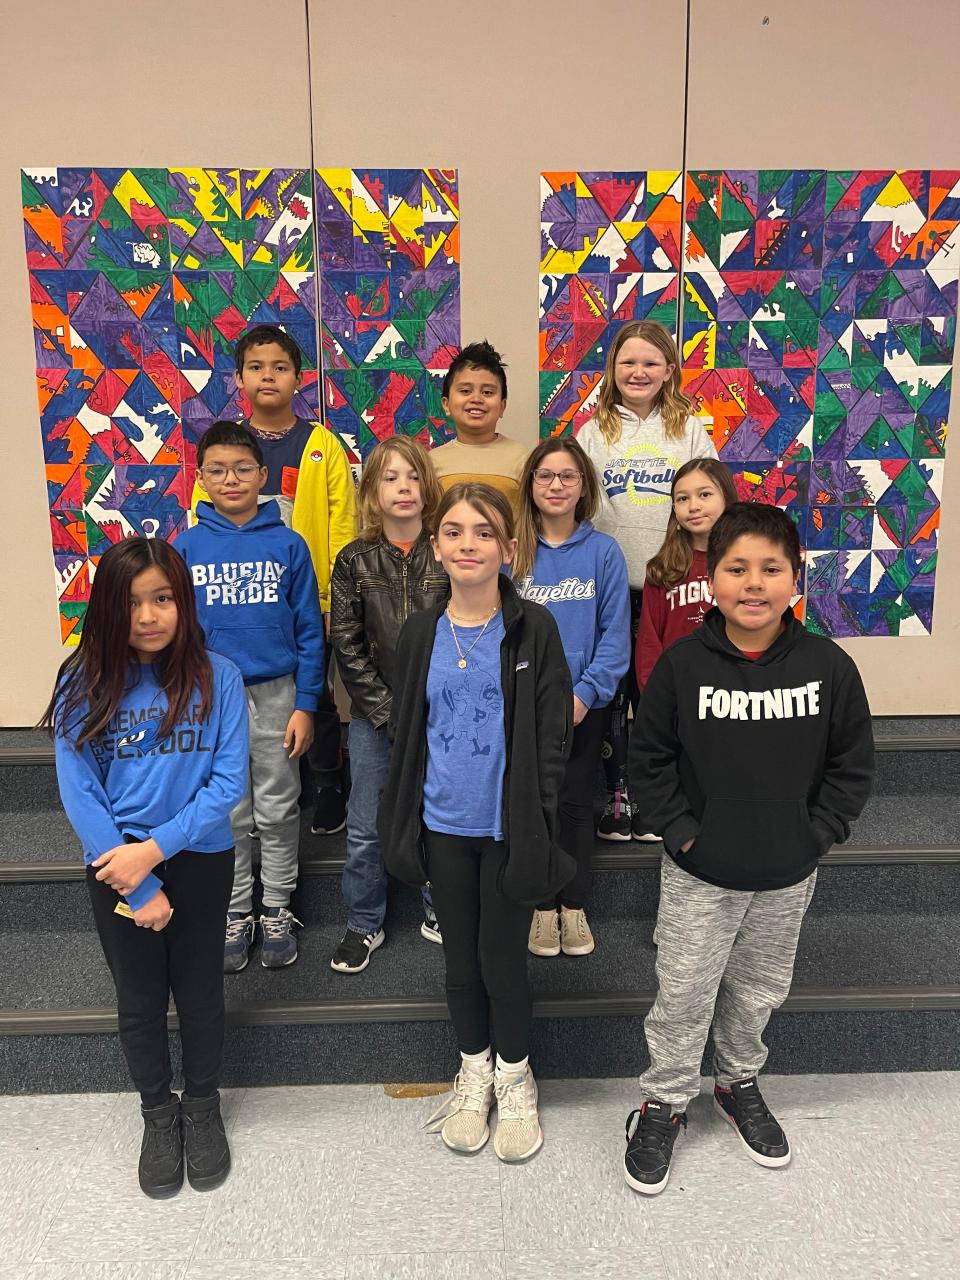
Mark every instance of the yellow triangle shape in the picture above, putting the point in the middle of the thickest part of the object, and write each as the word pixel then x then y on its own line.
pixel 894 194
pixel 128 190
pixel 340 182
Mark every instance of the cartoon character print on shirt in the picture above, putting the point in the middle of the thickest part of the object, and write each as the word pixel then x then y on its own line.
pixel 644 473
pixel 473 703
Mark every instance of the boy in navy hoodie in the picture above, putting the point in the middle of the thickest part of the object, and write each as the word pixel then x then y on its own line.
pixel 258 604
pixel 753 753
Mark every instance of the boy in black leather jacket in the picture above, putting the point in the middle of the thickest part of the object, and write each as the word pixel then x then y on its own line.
pixel 379 580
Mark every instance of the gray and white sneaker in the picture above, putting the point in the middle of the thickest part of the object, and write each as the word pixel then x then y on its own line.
pixel 518 1135
pixel 279 941
pixel 461 1119
pixel 238 941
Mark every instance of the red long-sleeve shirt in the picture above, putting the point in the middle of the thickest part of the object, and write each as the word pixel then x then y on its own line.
pixel 669 613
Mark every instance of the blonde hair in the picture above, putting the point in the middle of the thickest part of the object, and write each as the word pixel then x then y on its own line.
pixel 672 562
pixel 416 456
pixel 674 406
pixel 493 505
pixel 529 516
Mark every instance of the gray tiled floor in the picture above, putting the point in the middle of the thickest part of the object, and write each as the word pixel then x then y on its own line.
pixel 341 1183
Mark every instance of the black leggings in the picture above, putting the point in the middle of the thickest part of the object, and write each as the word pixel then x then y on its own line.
pixel 617 742
pixel 484 944
pixel 577 827
pixel 186 958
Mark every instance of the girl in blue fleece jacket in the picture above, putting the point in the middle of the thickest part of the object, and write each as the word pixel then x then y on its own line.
pixel 580 575
pixel 150 734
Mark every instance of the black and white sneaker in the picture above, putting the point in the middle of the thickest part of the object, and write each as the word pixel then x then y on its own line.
pixel 651 1133
pixel 353 953
pixel 617 818
pixel 329 813
pixel 743 1107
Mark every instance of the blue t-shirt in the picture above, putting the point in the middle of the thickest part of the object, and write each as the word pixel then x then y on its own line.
pixel 282 460
pixel 466 749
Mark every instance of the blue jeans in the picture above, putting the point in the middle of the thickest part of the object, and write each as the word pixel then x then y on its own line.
pixel 364 882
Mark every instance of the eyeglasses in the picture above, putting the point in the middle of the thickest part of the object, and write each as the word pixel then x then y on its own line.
pixel 543 477
pixel 243 471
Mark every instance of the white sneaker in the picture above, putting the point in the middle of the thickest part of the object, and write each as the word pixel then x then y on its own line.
pixel 461 1119
pixel 575 936
pixel 518 1134
pixel 544 937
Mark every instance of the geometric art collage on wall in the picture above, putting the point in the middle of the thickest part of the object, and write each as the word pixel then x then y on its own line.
pixel 816 313
pixel 141 280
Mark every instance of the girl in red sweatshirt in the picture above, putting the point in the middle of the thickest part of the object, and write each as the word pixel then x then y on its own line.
pixel 675 595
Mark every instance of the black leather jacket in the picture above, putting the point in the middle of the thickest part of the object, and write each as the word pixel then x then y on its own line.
pixel 374 589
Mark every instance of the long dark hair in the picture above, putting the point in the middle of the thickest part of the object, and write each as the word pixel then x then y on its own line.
pixel 672 562
pixel 92 681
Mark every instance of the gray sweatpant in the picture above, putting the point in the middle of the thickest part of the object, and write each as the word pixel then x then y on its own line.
pixel 724 956
pixel 272 802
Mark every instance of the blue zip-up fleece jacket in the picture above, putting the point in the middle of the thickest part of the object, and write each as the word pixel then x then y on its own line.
pixel 257 597
pixel 179 789
pixel 583 582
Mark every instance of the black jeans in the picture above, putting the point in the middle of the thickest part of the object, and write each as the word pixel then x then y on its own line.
pixel 325 755
pixel 484 944
pixel 186 958
pixel 617 742
pixel 577 829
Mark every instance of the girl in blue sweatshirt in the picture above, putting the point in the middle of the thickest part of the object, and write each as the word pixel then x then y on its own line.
pixel 150 733
pixel 580 575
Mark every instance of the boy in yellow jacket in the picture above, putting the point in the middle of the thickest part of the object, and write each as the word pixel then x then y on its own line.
pixel 309 476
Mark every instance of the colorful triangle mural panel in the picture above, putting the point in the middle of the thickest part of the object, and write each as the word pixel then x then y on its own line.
pixel 141 281
pixel 816 313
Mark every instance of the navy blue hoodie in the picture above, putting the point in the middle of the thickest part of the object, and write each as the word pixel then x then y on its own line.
pixel 257 597
pixel 583 582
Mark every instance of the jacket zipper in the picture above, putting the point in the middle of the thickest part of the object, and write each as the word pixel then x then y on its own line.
pixel 404 596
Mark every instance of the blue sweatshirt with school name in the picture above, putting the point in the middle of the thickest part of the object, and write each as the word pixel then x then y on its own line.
pixel 583 582
pixel 179 790
pixel 257 597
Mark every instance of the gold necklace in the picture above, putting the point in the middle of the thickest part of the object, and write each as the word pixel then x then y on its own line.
pixel 462 664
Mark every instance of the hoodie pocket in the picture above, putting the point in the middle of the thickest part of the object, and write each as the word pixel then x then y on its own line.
pixel 257 651
pixel 754 841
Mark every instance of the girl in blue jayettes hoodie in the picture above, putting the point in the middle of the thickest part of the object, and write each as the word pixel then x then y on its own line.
pixel 150 733
pixel 580 575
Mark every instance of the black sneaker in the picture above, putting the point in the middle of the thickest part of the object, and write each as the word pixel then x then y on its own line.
pixel 205 1142
pixel 353 953
pixel 638 832
pixel 616 821
pixel 651 1133
pixel 161 1152
pixel 743 1107
pixel 330 812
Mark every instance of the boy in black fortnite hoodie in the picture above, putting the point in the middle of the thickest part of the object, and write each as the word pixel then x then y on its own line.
pixel 259 605
pixel 752 754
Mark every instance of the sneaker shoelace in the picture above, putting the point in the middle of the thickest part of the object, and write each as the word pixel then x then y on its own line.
pixel 470 1093
pixel 579 924
pixel 650 1132
pixel 202 1124
pixel 752 1107
pixel 543 930
pixel 277 927
pixel 163 1140
pixel 513 1100
pixel 237 928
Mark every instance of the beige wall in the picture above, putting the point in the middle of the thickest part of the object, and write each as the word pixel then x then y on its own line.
pixel 500 91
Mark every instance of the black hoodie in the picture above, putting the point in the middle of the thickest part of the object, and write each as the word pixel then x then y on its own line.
pixel 538 729
pixel 763 764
